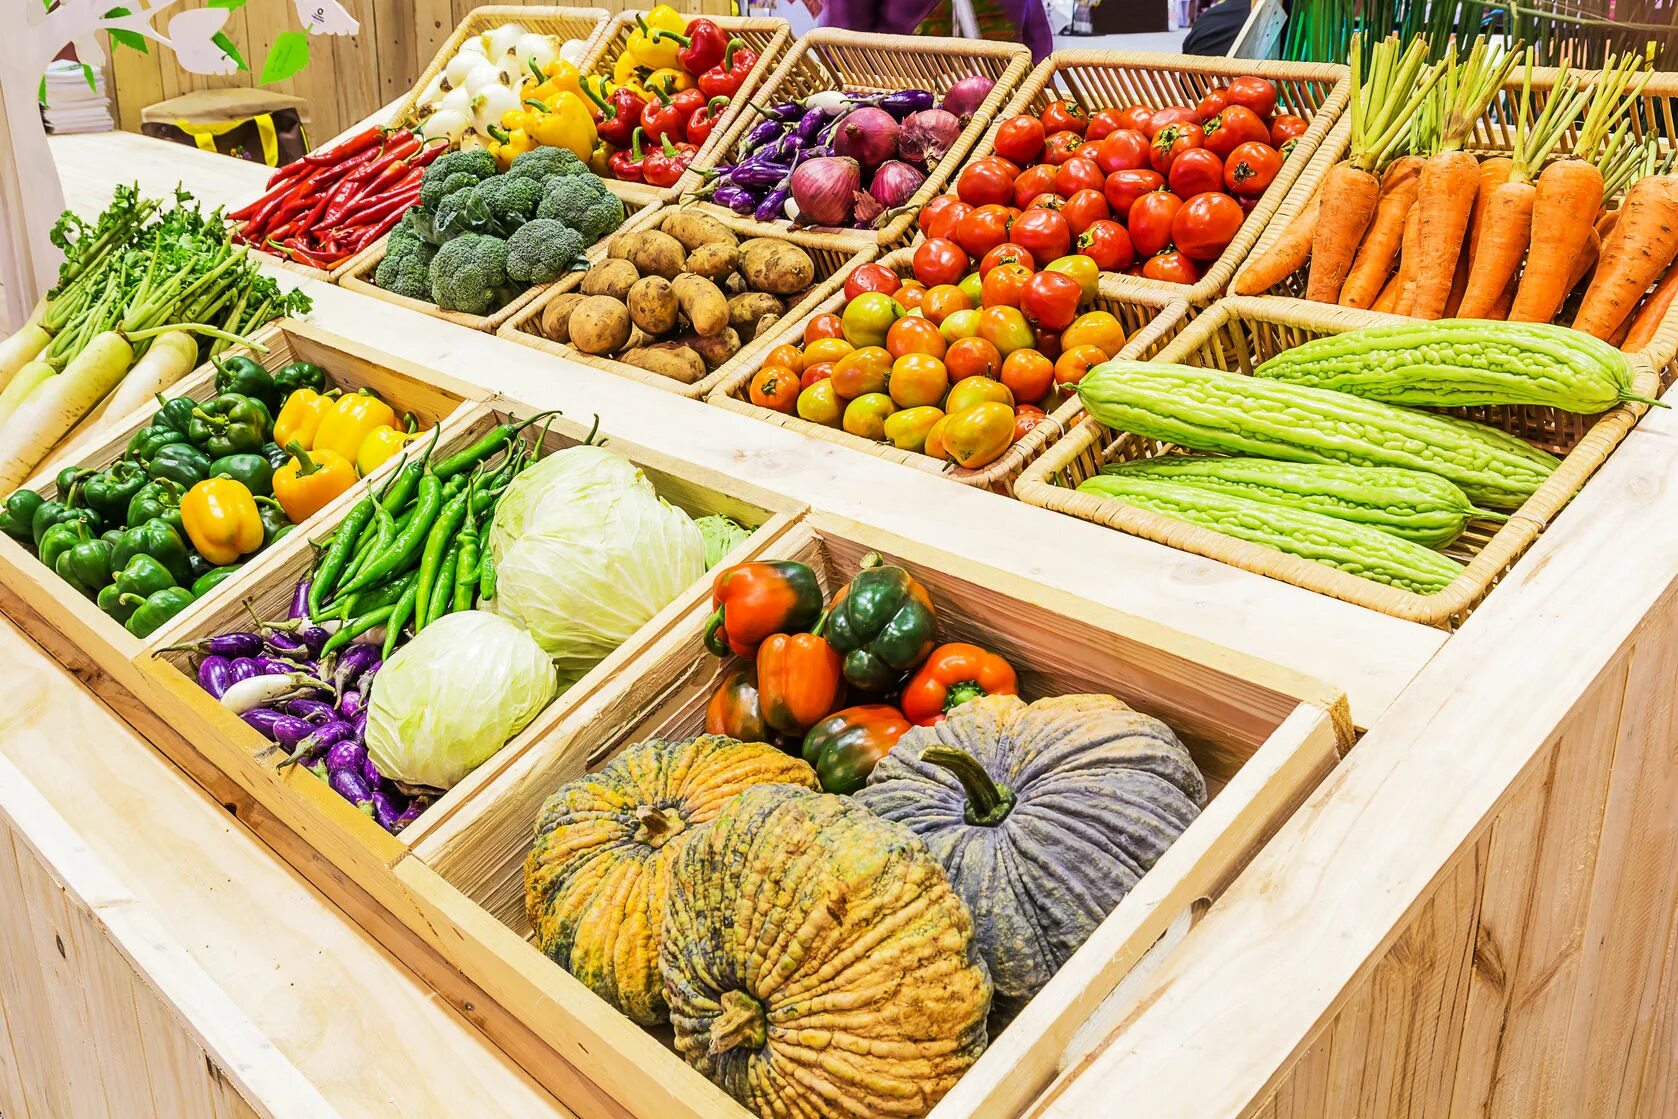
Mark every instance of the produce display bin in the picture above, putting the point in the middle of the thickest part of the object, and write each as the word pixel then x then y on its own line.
pixel 360 276
pixel 830 58
pixel 1263 736
pixel 1097 80
pixel 832 266
pixel 1150 319
pixel 1239 334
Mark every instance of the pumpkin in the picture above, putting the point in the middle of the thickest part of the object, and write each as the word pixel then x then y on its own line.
pixel 817 962
pixel 1044 815
pixel 596 880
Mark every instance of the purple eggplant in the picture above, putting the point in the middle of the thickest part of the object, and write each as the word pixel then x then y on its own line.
pixel 313 710
pixel 770 208
pixel 351 704
pixel 811 123
pixel 764 175
pixel 299 600
pixel 321 738
pixel 271 666
pixel 285 644
pixel 370 770
pixel 243 668
pixel 351 787
pixel 782 113
pixel 906 102
pixel 735 197
pixel 351 664
pixel 359 722
pixel 228 645
pixel 415 808
pixel 264 719
pixel 764 132
pixel 347 754
pixel 386 809
pixel 215 674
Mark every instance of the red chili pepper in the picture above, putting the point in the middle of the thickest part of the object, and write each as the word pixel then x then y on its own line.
pixel 626 166
pixel 702 123
pixel 367 138
pixel 726 77
pixel 617 117
pixel 663 168
pixel 663 119
pixel 706 43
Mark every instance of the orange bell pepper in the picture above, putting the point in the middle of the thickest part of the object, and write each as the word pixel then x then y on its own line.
pixel 311 480
pixel 952 675
pixel 799 681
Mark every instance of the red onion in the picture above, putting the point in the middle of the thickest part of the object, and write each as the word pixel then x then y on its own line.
pixel 927 135
pixel 967 95
pixel 867 135
pixel 894 184
pixel 823 189
pixel 867 209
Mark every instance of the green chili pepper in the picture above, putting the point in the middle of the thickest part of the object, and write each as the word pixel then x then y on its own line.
pixel 386 594
pixel 109 491
pixel 19 510
pixel 245 377
pixel 466 570
pixel 486 577
pixel 437 542
pixel 408 543
pixel 399 618
pixel 250 469
pixel 231 424
pixel 370 620
pixel 442 588
pixel 181 462
pixel 160 498
pixel 158 539
pixel 493 440
pixel 60 538
pixel 85 565
pixel 202 585
pixel 156 609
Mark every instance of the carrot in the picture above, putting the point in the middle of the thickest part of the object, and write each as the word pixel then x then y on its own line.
pixel 1643 244
pixel 1387 301
pixel 1494 172
pixel 1500 310
pixel 1348 206
pixel 1285 257
pixel 1563 211
pixel 1503 243
pixel 1652 313
pixel 1374 259
pixel 1459 285
pixel 1407 264
pixel 1606 222
pixel 1445 200
pixel 1588 256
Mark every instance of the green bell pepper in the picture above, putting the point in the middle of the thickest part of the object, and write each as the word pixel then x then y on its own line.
pixel 159 499
pixel 85 566
pixel 275 523
pixel 196 567
pixel 881 623
pixel 60 538
pixel 844 747
pixel 202 585
pixel 298 375
pixel 70 478
pixel 276 455
pixel 50 513
pixel 109 491
pixel 110 601
pixel 143 576
pixel 19 510
pixel 111 535
pixel 231 424
pixel 250 469
pixel 245 377
pixel 157 608
pixel 180 462
pixel 148 441
pixel 158 539
pixel 175 415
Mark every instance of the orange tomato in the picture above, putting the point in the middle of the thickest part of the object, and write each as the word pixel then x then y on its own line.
pixel 824 350
pixel 1005 328
pixel 861 372
pixel 934 443
pixel 787 356
pixel 915 335
pixel 970 391
pixel 944 299
pixel 1095 328
pixel 918 380
pixel 978 435
pixel 820 404
pixel 1028 374
pixel 907 429
pixel 866 416
pixel 776 387
pixel 1004 284
pixel 1077 361
pixel 825 325
pixel 910 294
pixel 820 371
pixel 1026 417
pixel 973 357
pixel 1080 268
pixel 959 325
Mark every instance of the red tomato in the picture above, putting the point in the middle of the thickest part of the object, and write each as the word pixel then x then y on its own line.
pixel 1205 225
pixel 1084 209
pixel 1044 232
pixel 1172 141
pixel 1048 200
pixel 1232 128
pixel 1107 243
pixel 1150 221
pixel 1020 140
pixel 1004 284
pixel 820 371
pixel 1065 116
pixel 987 181
pixel 1251 167
pixel 1195 172
pixel 1026 417
pixel 1032 182
pixel 1046 341
pixel 1103 124
pixel 982 230
pixel 1287 127
pixel 1256 94
pixel 1078 173
pixel 1005 254
pixel 1123 188
pixel 1173 268
pixel 1050 300
pixel 1075 362
pixel 1176 114
pixel 1061 146
pixel 940 261
pixel 940 216
pixel 1136 118
pixel 1212 104
pixel 871 277
pixel 1124 150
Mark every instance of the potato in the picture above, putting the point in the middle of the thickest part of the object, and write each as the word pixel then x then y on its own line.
pixel 694 229
pixel 599 325
pixel 713 350
pixel 777 267
pixel 667 359
pixel 714 261
pixel 610 277
pixel 653 305
pixel 705 306
pixel 746 311
pixel 659 254
pixel 622 247
pixel 556 316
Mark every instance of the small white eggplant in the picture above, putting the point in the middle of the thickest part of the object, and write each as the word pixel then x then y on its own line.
pixel 445 122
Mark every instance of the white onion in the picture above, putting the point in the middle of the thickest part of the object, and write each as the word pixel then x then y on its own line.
pixel 502 40
pixel 481 76
pixel 444 122
pixel 490 104
pixel 459 66
pixel 540 49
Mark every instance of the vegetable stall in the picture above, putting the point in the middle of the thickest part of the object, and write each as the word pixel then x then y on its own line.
pixel 626 687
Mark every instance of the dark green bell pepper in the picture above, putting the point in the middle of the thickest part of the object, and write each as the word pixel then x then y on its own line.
pixel 17 514
pixel 50 513
pixel 844 747
pixel 109 491
pixel 202 585
pixel 298 375
pixel 143 576
pixel 111 535
pixel 250 469
pixel 231 424
pixel 157 608
pixel 881 624
pixel 276 455
pixel 70 477
pixel 275 523
pixel 60 538
pixel 181 462
pixel 175 415
pixel 245 377
pixel 110 601
pixel 158 539
pixel 159 499
pixel 145 445
pixel 196 567
pixel 85 566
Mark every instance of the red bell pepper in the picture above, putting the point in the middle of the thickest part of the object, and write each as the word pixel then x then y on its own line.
pixel 726 77
pixel 706 44
pixel 952 675
pixel 751 601
pixel 663 168
pixel 703 122
pixel 663 117
pixel 627 166
pixel 617 117
pixel 799 681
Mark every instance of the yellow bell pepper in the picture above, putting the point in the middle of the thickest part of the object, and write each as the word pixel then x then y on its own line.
pixel 221 519
pixel 602 87
pixel 300 416
pixel 507 144
pixel 309 481
pixel 597 159
pixel 557 77
pixel 352 419
pixel 657 37
pixel 627 70
pixel 380 447
pixel 563 123
pixel 671 80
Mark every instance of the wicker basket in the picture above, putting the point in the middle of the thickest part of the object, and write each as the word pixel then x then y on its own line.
pixel 1150 320
pixel 832 266
pixel 1238 334
pixel 768 37
pixel 828 59
pixel 1114 79
pixel 1655 114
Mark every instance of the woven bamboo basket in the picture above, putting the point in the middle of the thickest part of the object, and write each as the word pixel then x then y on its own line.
pixel 1237 335
pixel 1115 79
pixel 1655 114
pixel 827 59
pixel 832 266
pixel 360 277
pixel 1150 320
pixel 768 37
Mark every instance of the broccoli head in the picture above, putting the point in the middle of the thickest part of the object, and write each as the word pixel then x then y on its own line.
pixel 433 191
pixel 406 268
pixel 603 216
pixel 469 274
pixel 543 163
pixel 477 163
pixel 543 251
pixel 511 201
pixel 569 198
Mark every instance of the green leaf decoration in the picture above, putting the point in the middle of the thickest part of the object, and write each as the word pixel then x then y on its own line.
pixel 288 55
pixel 230 5
pixel 228 48
pixel 123 37
pixel 41 94
pixel 87 72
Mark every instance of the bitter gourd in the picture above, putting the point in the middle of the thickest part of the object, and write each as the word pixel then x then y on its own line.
pixel 1462 363
pixel 1210 410
pixel 1356 548
pixel 1412 504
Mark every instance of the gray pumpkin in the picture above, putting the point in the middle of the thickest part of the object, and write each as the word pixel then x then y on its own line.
pixel 1043 816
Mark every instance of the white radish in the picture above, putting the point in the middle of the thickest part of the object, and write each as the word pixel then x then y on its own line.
pixel 171 357
pixel 47 414
pixel 28 379
pixel 20 349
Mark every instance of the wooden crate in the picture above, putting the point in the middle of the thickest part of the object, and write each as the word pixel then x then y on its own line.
pixel 1264 737
pixel 833 265
pixel 1652 115
pixel 829 58
pixel 1098 80
pixel 767 36
pixel 1150 319
pixel 1239 334
pixel 360 276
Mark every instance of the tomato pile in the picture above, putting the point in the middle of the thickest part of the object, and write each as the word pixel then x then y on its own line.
pixel 1151 192
pixel 957 359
